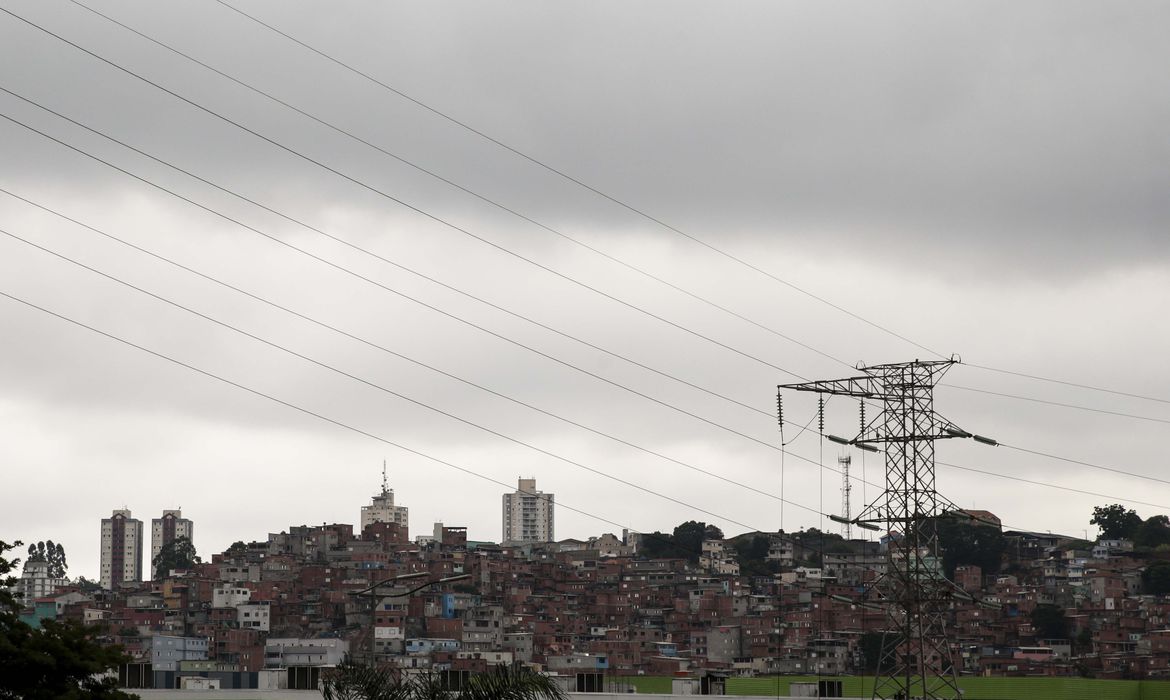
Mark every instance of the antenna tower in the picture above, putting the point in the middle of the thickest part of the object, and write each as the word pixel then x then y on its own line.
pixel 916 658
pixel 846 487
pixel 385 483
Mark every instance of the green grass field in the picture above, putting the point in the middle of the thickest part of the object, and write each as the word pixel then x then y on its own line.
pixel 973 688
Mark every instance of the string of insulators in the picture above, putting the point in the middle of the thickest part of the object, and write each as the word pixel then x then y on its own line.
pixel 821 414
pixel 862 405
pixel 780 409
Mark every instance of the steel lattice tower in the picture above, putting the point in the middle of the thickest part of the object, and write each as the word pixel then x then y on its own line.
pixel 916 658
pixel 846 488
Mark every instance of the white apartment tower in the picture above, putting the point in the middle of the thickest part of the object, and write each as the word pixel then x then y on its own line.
pixel 383 510
pixel 121 549
pixel 528 514
pixel 171 526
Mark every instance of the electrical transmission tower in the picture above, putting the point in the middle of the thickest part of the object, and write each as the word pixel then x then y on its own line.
pixel 846 487
pixel 916 658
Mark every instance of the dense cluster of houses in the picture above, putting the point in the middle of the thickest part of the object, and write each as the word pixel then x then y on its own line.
pixel 275 613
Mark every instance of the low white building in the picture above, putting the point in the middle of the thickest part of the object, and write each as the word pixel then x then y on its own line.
pixel 230 597
pixel 254 616
pixel 166 651
pixel 282 653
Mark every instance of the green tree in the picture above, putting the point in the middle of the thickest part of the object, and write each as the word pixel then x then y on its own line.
pixel 688 539
pixel 1049 622
pixel 752 555
pixel 686 542
pixel 179 553
pixel 967 543
pixel 351 681
pixel 55 555
pixel 1116 522
pixel 1156 578
pixel 656 545
pixel 86 586
pixel 870 644
pixel 52 554
pixel 1154 532
pixel 57 661
pixel 1084 641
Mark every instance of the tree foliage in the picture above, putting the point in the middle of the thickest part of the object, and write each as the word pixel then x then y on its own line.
pixel 752 555
pixel 1153 533
pixel 1156 578
pixel 179 553
pixel 810 546
pixel 970 543
pixel 1116 522
pixel 1049 622
pixel 55 661
pixel 52 554
pixel 686 542
pixel 870 644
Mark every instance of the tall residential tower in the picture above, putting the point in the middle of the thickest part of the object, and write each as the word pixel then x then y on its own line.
pixel 121 549
pixel 528 514
pixel 171 526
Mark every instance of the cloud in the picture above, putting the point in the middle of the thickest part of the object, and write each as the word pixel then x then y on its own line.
pixel 984 181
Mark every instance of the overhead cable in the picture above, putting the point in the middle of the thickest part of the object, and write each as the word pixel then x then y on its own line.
pixel 401 202
pixel 372 384
pixel 430 173
pixel 564 175
pixel 383 348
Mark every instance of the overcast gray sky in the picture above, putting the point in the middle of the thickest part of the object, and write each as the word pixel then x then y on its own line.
pixel 984 179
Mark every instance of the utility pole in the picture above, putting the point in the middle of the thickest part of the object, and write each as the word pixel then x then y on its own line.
pixel 916 658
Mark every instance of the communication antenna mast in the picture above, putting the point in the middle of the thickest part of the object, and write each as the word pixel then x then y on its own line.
pixel 385 483
pixel 916 658
pixel 846 487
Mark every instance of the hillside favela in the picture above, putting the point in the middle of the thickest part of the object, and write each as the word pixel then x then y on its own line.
pixel 687 610
pixel 587 349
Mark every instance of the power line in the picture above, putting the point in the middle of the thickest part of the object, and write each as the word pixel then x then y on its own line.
pixel 407 205
pixel 419 403
pixel 570 178
pixel 741 523
pixel 204 109
pixel 1085 464
pixel 564 175
pixel 1069 383
pixel 382 348
pixel 417 301
pixel 403 295
pixel 1052 486
pixel 293 406
pixel 327 419
pixel 372 384
pixel 1058 403
pixel 1048 484
pixel 415 208
pixel 1000 443
pixel 356 247
pixel 456 185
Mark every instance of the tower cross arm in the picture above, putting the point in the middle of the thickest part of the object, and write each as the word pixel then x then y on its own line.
pixel 864 387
